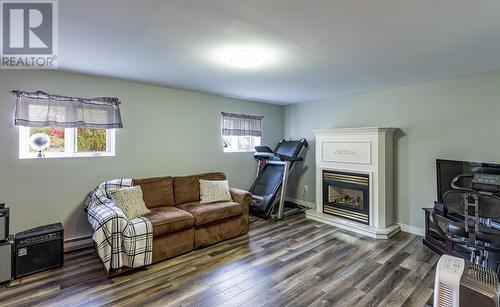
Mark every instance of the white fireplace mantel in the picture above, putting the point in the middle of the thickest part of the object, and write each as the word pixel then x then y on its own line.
pixel 366 150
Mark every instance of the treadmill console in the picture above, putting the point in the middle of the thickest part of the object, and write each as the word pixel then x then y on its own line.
pixel 486 182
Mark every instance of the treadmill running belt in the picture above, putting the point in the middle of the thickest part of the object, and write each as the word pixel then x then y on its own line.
pixel 271 176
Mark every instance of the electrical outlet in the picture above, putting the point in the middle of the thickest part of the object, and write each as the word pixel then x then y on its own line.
pixel 305 189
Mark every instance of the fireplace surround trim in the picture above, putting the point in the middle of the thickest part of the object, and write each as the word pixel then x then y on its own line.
pixel 367 151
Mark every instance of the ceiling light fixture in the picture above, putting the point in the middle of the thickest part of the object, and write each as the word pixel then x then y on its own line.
pixel 244 58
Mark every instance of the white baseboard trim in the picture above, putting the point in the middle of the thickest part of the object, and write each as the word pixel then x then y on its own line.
pixel 412 229
pixel 75 243
pixel 301 202
pixel 404 227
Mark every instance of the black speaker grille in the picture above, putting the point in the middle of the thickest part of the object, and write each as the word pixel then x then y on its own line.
pixel 38 257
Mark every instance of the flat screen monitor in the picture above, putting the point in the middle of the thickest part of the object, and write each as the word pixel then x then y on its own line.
pixel 448 169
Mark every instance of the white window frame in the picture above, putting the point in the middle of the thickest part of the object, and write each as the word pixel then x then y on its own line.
pixel 70 150
pixel 225 149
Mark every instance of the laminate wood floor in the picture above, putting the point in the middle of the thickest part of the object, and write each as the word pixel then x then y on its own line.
pixel 295 262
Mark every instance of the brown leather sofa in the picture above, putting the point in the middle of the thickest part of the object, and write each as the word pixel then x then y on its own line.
pixel 181 223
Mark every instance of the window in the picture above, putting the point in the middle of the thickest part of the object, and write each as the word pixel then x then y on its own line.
pixel 76 127
pixel 240 132
pixel 68 142
pixel 240 143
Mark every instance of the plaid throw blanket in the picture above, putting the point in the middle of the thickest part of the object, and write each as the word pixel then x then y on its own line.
pixel 119 242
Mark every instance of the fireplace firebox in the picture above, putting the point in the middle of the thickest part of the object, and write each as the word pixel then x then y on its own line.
pixel 346 195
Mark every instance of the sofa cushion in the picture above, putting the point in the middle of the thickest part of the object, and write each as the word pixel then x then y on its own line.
pixel 187 188
pixel 214 191
pixel 206 213
pixel 157 192
pixel 130 200
pixel 169 219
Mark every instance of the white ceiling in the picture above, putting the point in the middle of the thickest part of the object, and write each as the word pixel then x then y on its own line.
pixel 320 48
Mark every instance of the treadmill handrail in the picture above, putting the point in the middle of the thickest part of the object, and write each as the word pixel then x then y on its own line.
pixel 289 158
pixel 263 155
pixel 265 149
pixel 276 162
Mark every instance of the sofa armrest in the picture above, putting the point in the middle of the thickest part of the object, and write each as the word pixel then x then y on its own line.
pixel 242 197
pixel 101 215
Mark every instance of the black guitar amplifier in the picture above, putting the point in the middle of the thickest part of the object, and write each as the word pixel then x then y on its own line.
pixel 38 249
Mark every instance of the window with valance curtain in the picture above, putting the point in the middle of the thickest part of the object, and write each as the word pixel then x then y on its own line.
pixel 241 132
pixel 76 127
pixel 40 109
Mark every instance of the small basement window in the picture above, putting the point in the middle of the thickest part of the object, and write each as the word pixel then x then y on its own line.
pixel 240 143
pixel 241 132
pixel 68 142
pixel 54 126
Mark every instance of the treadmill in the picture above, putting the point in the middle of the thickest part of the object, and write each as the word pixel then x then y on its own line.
pixel 273 168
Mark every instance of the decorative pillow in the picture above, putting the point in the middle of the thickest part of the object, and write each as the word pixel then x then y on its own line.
pixel 130 200
pixel 212 191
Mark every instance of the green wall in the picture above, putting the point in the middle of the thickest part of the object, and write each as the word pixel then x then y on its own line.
pixel 166 132
pixel 450 119
pixel 175 132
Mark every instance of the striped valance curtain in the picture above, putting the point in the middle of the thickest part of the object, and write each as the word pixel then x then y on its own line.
pixel 241 124
pixel 39 109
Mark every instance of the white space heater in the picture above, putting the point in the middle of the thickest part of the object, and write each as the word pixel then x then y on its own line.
pixel 461 283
